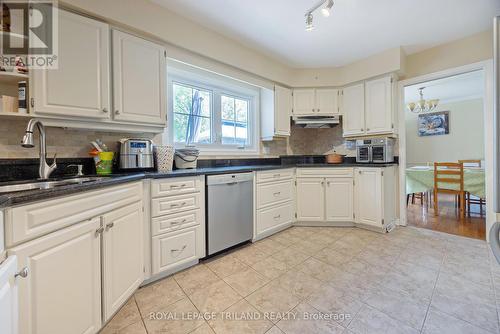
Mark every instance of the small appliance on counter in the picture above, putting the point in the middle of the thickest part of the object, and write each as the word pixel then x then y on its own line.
pixel 186 157
pixel 375 150
pixel 136 154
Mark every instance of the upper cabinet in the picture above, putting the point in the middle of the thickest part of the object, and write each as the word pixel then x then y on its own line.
pixel 315 102
pixel 80 87
pixel 139 73
pixel 276 108
pixel 367 108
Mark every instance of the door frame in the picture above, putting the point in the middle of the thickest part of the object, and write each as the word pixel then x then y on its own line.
pixel 489 126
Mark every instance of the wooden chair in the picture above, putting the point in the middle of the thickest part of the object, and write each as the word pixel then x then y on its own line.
pixel 449 173
pixel 468 199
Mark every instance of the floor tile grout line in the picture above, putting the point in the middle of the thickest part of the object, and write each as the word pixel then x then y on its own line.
pixel 432 295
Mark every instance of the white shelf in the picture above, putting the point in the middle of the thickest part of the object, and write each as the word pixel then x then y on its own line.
pixel 12 77
pixel 14 115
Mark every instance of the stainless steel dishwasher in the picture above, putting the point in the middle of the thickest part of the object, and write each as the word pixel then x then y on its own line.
pixel 229 210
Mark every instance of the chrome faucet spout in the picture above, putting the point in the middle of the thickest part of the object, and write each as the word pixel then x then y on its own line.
pixel 44 169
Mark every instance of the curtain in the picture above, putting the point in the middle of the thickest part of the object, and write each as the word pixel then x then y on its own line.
pixel 194 119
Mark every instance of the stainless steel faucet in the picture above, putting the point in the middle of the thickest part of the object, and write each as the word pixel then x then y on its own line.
pixel 44 170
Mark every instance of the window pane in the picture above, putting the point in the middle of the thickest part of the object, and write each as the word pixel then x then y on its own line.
pixel 189 104
pixel 227 105
pixel 182 99
pixel 228 132
pixel 180 127
pixel 241 110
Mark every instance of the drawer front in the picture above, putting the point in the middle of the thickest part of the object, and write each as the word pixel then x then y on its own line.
pixel 173 204
pixel 274 217
pixel 326 172
pixel 176 186
pixel 175 222
pixel 275 175
pixel 174 249
pixel 274 192
pixel 30 221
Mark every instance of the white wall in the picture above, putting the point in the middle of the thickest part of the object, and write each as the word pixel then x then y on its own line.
pixel 465 141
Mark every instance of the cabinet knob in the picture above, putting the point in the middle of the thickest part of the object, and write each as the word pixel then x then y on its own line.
pixel 110 225
pixel 313 110
pixel 367 129
pixel 104 110
pixel 318 110
pixel 117 112
pixel 23 273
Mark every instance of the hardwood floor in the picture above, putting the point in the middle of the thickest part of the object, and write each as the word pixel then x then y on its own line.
pixel 448 220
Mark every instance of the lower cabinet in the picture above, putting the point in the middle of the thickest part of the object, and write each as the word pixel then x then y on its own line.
pixel 123 256
pixel 339 198
pixel 375 197
pixel 310 199
pixel 9 313
pixel 62 292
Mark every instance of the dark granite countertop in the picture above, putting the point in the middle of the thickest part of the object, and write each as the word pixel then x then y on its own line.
pixel 21 197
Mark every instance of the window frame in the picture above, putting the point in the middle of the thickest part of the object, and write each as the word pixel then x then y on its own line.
pixel 217 85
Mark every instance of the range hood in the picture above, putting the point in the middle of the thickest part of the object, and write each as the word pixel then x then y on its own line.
pixel 316 122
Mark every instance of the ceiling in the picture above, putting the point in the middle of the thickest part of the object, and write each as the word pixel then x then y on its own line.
pixel 461 87
pixel 356 29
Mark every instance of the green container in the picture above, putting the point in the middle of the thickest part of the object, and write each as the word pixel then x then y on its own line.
pixel 105 164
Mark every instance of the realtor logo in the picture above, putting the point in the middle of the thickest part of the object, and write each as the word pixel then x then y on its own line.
pixel 30 31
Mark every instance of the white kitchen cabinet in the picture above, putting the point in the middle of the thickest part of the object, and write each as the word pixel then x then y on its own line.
pixel 310 199
pixel 139 75
pixel 9 296
pixel 367 108
pixel 353 110
pixel 274 202
pixel 375 197
pixel 282 110
pixel 80 86
pixel 123 256
pixel 327 101
pixel 339 198
pixel 316 102
pixel 378 106
pixel 62 291
pixel 304 102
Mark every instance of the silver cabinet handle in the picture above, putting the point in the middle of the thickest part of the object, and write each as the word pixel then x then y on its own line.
pixel 277 193
pixel 117 111
pixel 318 110
pixel 367 129
pixel 99 231
pixel 177 205
pixel 328 183
pixel 105 110
pixel 23 273
pixel 174 186
pixel 277 217
pixel 177 222
pixel 110 225
pixel 276 175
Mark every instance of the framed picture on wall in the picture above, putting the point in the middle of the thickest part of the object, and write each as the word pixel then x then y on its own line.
pixel 434 124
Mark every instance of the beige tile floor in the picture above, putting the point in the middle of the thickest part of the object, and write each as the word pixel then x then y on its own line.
pixel 328 280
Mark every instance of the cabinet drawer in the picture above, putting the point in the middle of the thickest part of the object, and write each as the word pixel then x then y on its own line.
pixel 176 186
pixel 171 250
pixel 325 172
pixel 274 217
pixel 275 175
pixel 173 204
pixel 175 222
pixel 30 221
pixel 274 192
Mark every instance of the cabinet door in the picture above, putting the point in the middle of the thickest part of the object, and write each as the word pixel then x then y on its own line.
pixel 368 196
pixel 353 110
pixel 339 197
pixel 378 109
pixel 80 86
pixel 327 101
pixel 8 296
pixel 123 268
pixel 303 102
pixel 62 292
pixel 310 199
pixel 139 74
pixel 282 110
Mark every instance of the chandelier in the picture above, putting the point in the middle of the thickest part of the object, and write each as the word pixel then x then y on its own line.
pixel 422 105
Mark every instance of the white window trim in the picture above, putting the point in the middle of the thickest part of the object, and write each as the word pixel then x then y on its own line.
pixel 222 85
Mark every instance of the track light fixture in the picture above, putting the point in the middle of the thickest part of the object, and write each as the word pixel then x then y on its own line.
pixel 327 7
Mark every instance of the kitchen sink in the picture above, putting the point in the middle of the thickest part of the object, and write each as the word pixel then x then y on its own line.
pixel 47 184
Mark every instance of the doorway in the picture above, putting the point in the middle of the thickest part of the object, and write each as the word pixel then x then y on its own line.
pixel 453 127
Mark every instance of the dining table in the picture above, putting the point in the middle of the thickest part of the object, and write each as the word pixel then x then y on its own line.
pixel 420 179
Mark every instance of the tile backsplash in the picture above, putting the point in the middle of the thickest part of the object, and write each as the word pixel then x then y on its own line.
pixel 68 143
